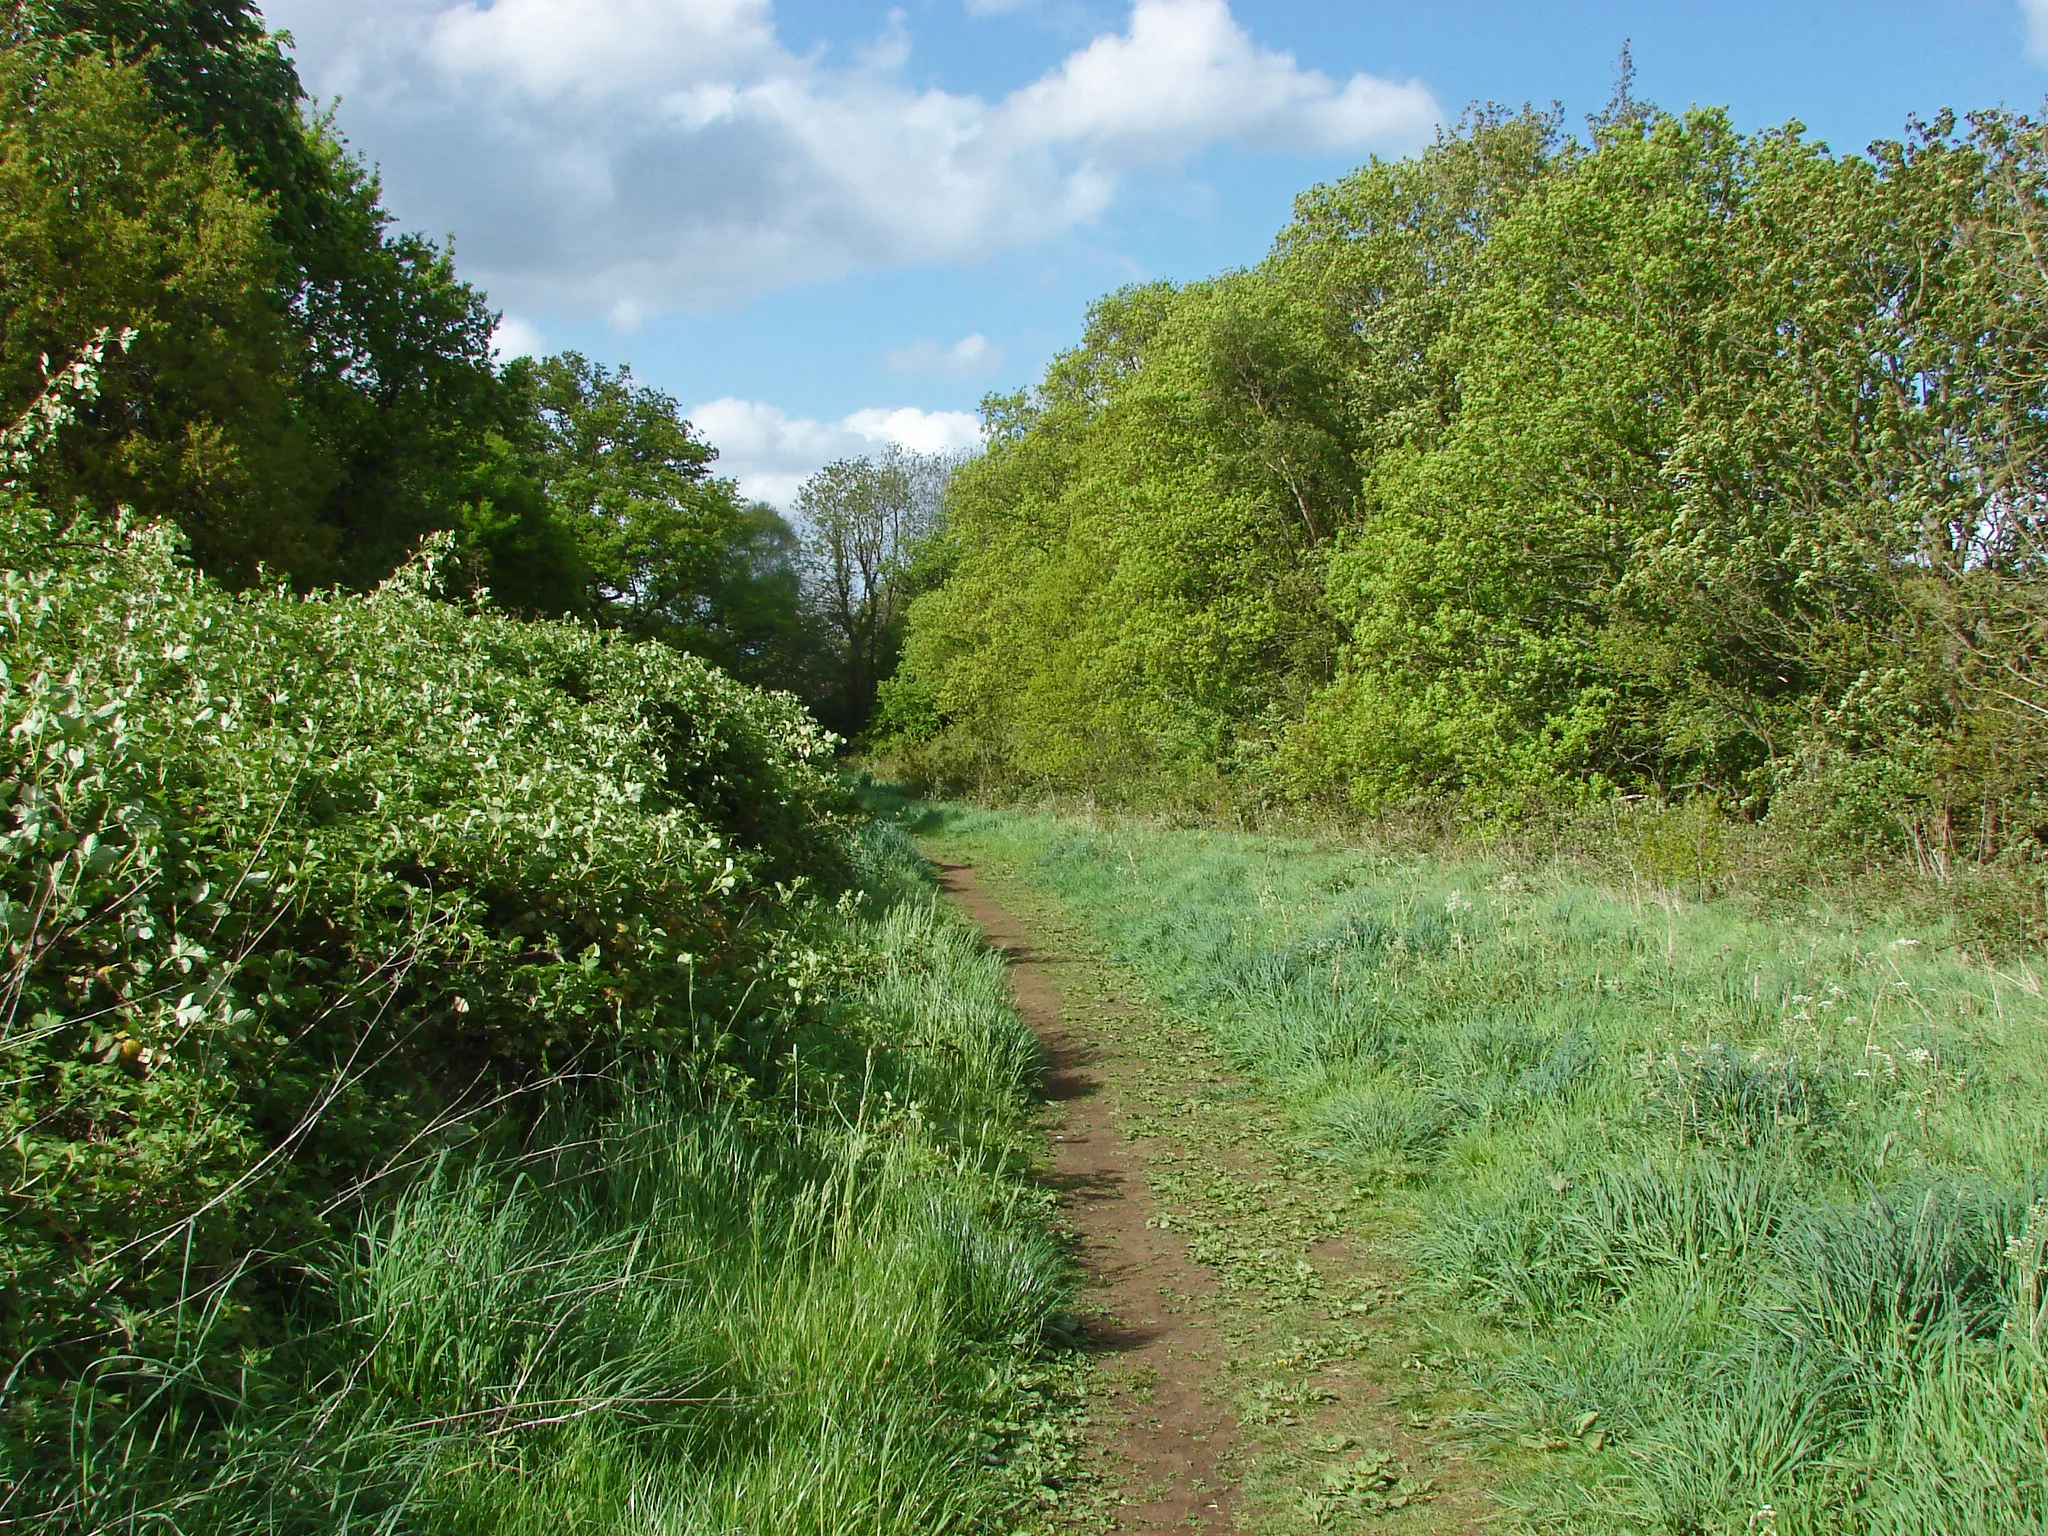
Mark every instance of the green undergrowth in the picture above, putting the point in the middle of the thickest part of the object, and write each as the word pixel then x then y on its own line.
pixel 657 1312
pixel 473 1075
pixel 1742 1213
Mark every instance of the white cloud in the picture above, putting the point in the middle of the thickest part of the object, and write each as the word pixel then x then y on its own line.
pixel 919 431
pixel 772 453
pixel 2036 14
pixel 604 47
pixel 625 157
pixel 515 338
pixel 1187 74
pixel 971 357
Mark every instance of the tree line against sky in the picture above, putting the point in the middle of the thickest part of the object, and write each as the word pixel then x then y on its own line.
pixel 1667 460
pixel 307 392
pixel 1664 459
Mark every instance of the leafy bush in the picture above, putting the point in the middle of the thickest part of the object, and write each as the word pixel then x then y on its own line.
pixel 468 1078
pixel 817 1311
pixel 290 884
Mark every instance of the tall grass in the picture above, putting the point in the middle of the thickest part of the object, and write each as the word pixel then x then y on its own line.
pixel 1759 1197
pixel 816 1309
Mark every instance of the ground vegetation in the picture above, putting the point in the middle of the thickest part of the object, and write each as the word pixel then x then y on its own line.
pixel 1712 1220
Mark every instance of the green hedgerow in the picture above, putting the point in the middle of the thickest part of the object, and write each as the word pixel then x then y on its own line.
pixel 289 882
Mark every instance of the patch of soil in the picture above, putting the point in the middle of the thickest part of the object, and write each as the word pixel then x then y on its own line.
pixel 1168 1447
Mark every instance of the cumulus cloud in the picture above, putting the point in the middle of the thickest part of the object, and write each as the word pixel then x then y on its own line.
pixel 771 453
pixel 549 49
pixel 971 357
pixel 2036 14
pixel 625 157
pixel 1186 74
pixel 516 338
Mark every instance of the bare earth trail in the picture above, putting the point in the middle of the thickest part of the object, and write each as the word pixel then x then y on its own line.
pixel 1254 1367
pixel 1174 1436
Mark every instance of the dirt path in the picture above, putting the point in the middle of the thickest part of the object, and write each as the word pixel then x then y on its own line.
pixel 1170 1445
pixel 1257 1364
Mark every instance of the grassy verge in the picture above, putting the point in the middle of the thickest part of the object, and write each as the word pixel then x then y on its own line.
pixel 1327 1379
pixel 818 1311
pixel 1737 1215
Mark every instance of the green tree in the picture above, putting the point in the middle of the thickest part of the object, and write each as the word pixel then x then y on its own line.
pixel 1478 585
pixel 758 623
pixel 631 480
pixel 864 518
pixel 1678 460
pixel 111 219
pixel 394 390
pixel 217 73
pixel 1852 577
pixel 1135 573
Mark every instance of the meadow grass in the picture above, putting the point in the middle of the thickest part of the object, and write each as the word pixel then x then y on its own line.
pixel 814 1311
pixel 1742 1212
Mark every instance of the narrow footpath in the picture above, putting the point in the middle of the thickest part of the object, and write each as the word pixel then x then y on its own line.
pixel 1253 1365
pixel 1170 1443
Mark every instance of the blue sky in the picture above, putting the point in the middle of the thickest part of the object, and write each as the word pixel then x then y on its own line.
pixel 827 225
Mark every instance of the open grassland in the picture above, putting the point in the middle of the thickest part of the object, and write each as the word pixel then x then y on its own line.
pixel 1734 1216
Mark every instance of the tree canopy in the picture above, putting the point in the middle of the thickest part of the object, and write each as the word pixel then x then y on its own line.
pixel 1668 460
pixel 307 391
pixel 867 522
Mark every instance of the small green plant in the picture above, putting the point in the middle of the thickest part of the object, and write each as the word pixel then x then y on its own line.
pixel 1721 1094
pixel 1686 847
pixel 1380 1127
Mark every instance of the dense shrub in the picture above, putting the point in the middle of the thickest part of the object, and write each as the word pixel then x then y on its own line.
pixel 290 885
pixel 631 1307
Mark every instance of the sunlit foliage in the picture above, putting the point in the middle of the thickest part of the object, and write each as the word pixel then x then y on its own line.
pixel 1669 460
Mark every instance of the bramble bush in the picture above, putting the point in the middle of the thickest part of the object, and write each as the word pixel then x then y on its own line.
pixel 291 887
